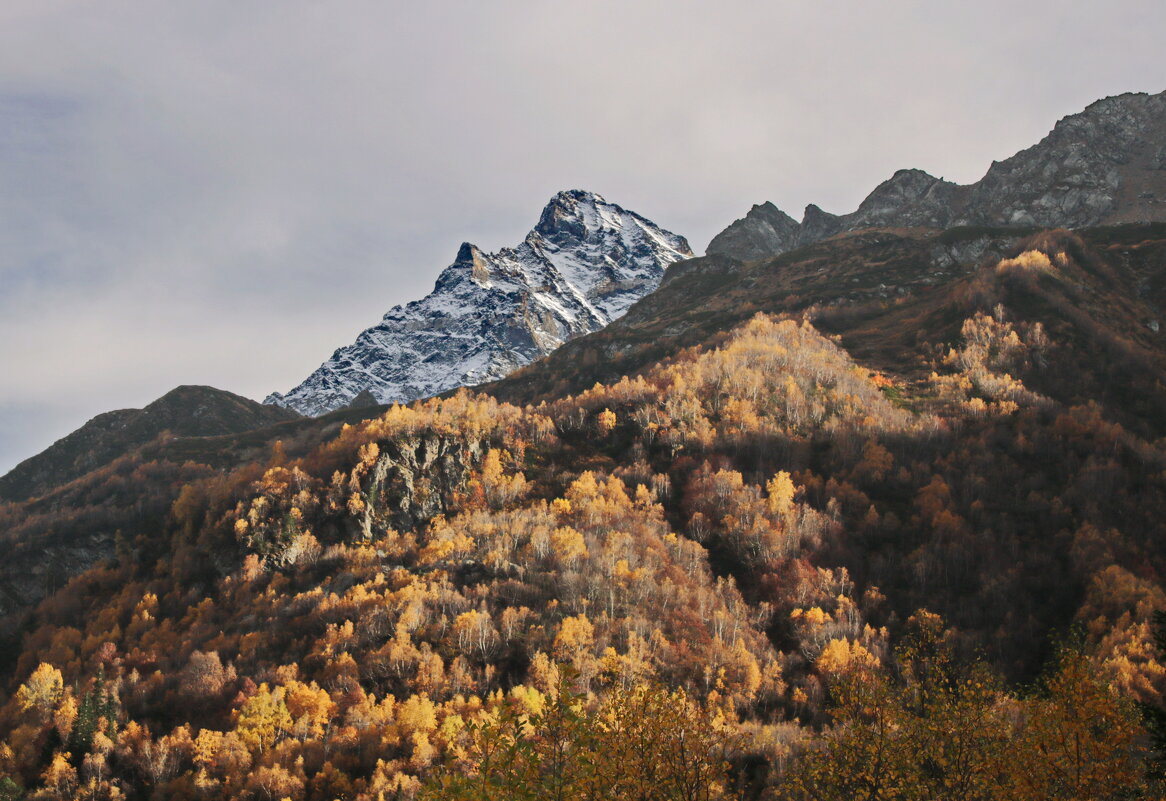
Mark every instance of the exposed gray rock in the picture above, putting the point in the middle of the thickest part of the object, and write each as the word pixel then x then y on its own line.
pixel 765 229
pixel 817 225
pixel 583 265
pixel 908 199
pixel 1104 165
pixel 969 252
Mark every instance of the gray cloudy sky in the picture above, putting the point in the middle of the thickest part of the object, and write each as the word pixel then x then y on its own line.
pixel 223 191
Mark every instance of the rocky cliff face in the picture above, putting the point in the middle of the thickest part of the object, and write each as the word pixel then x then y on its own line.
pixel 1104 165
pixel 766 230
pixel 582 266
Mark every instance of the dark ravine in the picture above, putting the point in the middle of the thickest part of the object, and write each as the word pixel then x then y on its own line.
pixel 1102 166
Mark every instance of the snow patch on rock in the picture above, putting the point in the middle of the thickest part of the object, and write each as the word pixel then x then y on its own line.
pixel 582 266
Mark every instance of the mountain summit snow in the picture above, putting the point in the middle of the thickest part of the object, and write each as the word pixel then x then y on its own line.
pixel 583 265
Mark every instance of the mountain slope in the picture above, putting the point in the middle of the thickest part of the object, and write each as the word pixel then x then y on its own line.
pixel 702 296
pixel 891 294
pixel 1104 165
pixel 581 267
pixel 942 451
pixel 186 411
pixel 742 521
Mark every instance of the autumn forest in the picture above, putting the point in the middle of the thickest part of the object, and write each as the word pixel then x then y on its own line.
pixel 784 561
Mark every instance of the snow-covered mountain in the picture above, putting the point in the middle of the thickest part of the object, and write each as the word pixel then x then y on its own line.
pixel 581 267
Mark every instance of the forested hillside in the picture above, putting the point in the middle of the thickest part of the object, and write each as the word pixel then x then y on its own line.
pixel 757 567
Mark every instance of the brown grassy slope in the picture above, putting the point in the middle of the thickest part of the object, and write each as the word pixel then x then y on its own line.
pixel 1098 304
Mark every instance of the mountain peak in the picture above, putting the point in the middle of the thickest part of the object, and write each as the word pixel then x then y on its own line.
pixel 577 195
pixel 764 230
pixel 470 256
pixel 584 263
pixel 466 253
pixel 568 213
pixel 1125 99
pixel 908 182
pixel 1100 166
pixel 817 224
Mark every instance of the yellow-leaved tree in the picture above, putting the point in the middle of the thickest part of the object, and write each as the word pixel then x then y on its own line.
pixel 643 743
pixel 1079 740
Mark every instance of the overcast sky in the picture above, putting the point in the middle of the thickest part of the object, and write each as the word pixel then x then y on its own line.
pixel 224 191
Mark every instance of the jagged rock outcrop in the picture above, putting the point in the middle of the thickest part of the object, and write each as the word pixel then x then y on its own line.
pixel 582 266
pixel 437 465
pixel 766 229
pixel 1104 165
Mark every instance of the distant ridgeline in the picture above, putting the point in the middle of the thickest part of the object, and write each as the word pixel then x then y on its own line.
pixel 1103 166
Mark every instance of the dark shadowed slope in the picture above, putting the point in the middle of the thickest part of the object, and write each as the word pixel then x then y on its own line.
pixel 186 411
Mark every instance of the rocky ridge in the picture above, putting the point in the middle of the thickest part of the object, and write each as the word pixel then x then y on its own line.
pixel 186 411
pixel 1104 165
pixel 582 266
